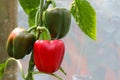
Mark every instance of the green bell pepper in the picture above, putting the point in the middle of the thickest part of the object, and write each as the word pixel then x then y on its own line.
pixel 19 43
pixel 58 21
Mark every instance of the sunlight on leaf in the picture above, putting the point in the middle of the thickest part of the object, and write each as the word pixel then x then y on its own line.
pixel 85 17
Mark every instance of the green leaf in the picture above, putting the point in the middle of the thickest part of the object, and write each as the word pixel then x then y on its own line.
pixel 85 17
pixel 29 5
pixel 2 65
pixel 44 36
pixel 31 17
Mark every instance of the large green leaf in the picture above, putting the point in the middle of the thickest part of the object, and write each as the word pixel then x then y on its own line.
pixel 2 65
pixel 29 5
pixel 31 17
pixel 85 17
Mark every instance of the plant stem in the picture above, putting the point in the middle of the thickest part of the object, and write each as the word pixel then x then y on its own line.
pixel 31 62
pixel 53 3
pixel 47 3
pixel 37 18
pixel 61 69
pixel 21 69
pixel 31 28
pixel 30 68
pixel 41 12
pixel 54 75
pixel 42 29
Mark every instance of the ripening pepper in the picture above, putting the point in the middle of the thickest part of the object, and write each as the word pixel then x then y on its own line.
pixel 58 21
pixel 19 43
pixel 48 55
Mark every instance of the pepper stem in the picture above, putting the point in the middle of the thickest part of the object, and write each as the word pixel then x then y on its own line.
pixel 37 18
pixel 30 68
pixel 61 69
pixel 31 28
pixel 41 12
pixel 54 75
pixel 21 69
pixel 53 3
pixel 42 29
pixel 47 3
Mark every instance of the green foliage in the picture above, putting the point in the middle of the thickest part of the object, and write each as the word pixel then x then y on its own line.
pixel 31 17
pixel 85 17
pixel 2 65
pixel 44 36
pixel 29 5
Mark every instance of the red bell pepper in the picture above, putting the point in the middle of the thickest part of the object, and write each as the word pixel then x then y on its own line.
pixel 48 55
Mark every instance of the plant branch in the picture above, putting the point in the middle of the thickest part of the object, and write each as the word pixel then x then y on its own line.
pixel 41 12
pixel 54 75
pixel 30 68
pixel 21 69
pixel 61 69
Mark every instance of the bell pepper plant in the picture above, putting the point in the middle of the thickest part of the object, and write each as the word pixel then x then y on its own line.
pixel 42 39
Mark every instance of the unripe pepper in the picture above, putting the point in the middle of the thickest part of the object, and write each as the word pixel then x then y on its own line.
pixel 48 55
pixel 58 21
pixel 19 43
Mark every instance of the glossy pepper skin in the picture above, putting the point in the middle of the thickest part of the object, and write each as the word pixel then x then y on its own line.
pixel 58 21
pixel 19 43
pixel 48 55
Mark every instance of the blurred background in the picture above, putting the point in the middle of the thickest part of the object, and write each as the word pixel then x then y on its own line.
pixel 84 58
